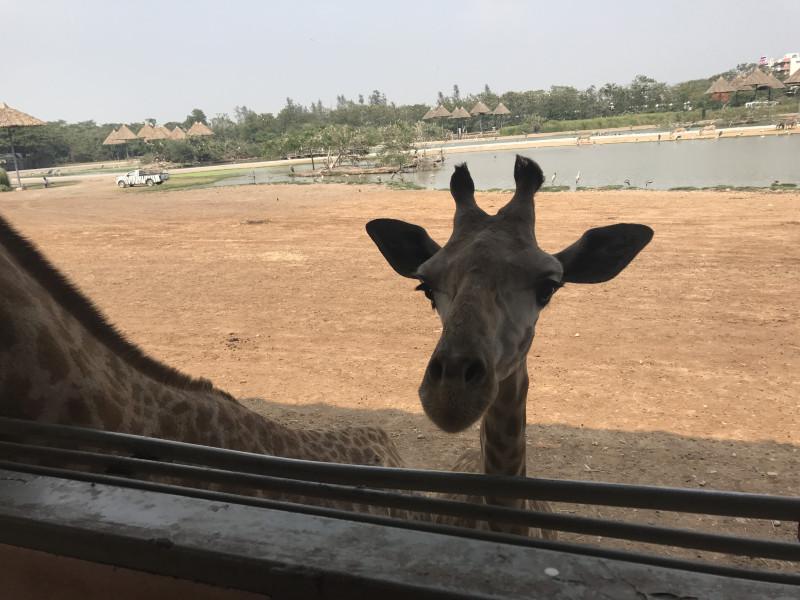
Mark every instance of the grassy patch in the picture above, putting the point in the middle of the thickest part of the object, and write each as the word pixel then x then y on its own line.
pixel 607 188
pixel 555 188
pixel 182 181
pixel 51 184
pixel 220 173
pixel 403 185
pixel 684 188
pixel 734 188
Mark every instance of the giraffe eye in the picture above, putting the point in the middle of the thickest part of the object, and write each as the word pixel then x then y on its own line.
pixel 545 290
pixel 428 291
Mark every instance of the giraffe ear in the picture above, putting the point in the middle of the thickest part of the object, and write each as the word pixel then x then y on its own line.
pixel 404 246
pixel 601 254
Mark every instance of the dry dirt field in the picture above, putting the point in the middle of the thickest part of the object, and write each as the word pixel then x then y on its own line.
pixel 684 371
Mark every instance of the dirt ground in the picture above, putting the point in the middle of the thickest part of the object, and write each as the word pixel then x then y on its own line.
pixel 683 371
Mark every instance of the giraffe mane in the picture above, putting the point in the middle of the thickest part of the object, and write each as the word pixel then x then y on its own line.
pixel 71 299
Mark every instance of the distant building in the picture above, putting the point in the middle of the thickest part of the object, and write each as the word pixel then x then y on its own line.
pixel 788 65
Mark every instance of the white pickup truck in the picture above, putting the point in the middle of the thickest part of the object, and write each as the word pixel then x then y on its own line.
pixel 140 177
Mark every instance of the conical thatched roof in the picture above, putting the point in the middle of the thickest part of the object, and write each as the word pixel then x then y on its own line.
pixel 159 133
pixel 177 133
pixel 11 117
pixel 480 109
pixel 125 134
pixel 146 132
pixel 758 79
pixel 721 86
pixel 112 139
pixel 739 85
pixel 501 109
pixel 428 115
pixel 460 113
pixel 793 79
pixel 199 129
pixel 440 112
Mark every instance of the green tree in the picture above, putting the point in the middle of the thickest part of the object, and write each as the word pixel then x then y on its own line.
pixel 193 117
pixel 5 184
pixel 396 141
pixel 377 98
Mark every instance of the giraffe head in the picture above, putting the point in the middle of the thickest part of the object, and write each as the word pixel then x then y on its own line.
pixel 489 283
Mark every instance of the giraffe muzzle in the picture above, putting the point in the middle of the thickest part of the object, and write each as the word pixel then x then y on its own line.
pixel 456 390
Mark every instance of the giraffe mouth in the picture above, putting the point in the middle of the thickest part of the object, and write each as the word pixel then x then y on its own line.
pixel 455 402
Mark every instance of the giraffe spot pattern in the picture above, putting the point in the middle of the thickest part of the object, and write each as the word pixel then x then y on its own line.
pixel 8 333
pixel 111 415
pixel 14 391
pixel 77 412
pixel 51 356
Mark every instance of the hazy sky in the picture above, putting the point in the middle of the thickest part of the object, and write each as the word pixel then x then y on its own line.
pixel 125 61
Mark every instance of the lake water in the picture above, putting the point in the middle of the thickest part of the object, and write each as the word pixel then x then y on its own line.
pixel 747 161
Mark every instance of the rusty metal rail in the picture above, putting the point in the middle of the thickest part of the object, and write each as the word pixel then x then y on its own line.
pixel 99 456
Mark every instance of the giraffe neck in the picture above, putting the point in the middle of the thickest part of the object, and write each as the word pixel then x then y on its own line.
pixel 503 427
pixel 503 440
pixel 61 362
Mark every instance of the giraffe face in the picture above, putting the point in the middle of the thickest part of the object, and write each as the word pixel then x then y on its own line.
pixel 489 284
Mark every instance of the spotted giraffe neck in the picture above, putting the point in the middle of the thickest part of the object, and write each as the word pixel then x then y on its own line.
pixel 503 449
pixel 62 362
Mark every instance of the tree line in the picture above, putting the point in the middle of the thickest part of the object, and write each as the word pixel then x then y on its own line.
pixel 368 121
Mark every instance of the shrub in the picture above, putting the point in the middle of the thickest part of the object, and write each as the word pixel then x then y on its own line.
pixel 4 181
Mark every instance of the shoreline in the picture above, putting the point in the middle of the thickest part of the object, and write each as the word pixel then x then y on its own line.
pixel 586 138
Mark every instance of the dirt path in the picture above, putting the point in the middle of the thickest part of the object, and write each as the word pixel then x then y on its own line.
pixel 683 371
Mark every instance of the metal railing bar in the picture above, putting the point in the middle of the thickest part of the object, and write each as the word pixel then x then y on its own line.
pixel 420 504
pixel 713 502
pixel 558 546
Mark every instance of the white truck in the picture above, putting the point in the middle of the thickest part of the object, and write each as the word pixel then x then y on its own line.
pixel 142 177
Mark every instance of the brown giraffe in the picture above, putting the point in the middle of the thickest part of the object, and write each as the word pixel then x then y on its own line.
pixel 62 362
pixel 489 283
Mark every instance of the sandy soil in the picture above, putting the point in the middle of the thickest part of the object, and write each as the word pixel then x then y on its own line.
pixel 682 371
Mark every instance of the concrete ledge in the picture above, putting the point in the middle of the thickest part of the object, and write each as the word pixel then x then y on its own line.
pixel 290 555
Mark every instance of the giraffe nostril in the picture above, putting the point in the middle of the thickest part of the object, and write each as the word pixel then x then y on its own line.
pixel 435 370
pixel 475 372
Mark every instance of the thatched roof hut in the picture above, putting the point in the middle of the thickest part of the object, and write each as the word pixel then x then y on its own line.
pixel 793 79
pixel 760 80
pixel 160 133
pixel 199 129
pixel 125 134
pixel 112 139
pixel 739 85
pixel 460 113
pixel 11 117
pixel 480 109
pixel 146 132
pixel 440 112
pixel 428 115
pixel 177 133
pixel 501 109
pixel 721 86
